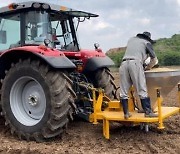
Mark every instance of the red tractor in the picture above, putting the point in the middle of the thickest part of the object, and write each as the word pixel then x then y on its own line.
pixel 41 68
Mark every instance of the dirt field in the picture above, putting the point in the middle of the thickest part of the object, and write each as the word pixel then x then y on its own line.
pixel 83 137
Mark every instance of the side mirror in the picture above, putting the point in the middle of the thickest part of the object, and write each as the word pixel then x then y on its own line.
pixel 3 39
pixel 96 45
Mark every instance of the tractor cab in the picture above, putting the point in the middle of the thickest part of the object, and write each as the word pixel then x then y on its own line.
pixel 34 24
pixel 42 68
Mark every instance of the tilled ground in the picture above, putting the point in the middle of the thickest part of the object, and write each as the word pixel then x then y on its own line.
pixel 84 137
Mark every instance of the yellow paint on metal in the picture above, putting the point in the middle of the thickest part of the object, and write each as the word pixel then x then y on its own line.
pixel 136 118
pixel 106 128
pixel 114 105
pixel 179 95
pixel 161 125
pixel 99 100
pixel 169 111
pixel 94 105
pixel 114 111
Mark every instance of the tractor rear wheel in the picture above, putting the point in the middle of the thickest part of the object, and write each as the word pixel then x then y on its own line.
pixel 104 79
pixel 37 103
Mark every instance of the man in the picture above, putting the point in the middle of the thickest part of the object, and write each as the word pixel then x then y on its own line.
pixel 138 49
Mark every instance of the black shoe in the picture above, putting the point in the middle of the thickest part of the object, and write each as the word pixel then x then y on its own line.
pixel 143 104
pixel 140 111
pixel 128 115
pixel 125 108
pixel 151 115
pixel 146 105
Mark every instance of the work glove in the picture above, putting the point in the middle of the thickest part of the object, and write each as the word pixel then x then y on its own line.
pixel 152 64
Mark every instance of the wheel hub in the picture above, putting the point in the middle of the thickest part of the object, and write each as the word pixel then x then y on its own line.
pixel 28 101
pixel 33 100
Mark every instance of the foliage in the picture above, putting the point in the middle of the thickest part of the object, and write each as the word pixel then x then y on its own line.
pixel 116 57
pixel 169 58
pixel 168 44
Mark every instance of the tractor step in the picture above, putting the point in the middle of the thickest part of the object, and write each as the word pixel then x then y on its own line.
pixel 136 118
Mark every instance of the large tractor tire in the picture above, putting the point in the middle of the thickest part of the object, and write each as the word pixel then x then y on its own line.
pixel 37 102
pixel 102 78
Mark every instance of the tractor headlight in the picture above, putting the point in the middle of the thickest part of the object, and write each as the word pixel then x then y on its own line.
pixel 36 5
pixel 45 6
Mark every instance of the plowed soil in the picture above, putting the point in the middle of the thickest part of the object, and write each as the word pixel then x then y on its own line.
pixel 84 137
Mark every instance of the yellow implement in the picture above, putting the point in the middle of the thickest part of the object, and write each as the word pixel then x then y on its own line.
pixel 113 111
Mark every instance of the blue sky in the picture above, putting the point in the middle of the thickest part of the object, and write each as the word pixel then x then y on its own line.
pixel 121 19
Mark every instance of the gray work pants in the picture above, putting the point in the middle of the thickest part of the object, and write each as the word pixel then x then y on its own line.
pixel 132 73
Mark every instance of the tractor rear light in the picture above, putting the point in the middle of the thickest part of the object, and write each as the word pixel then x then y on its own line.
pixel 79 68
pixel 99 50
pixel 36 5
pixel 45 6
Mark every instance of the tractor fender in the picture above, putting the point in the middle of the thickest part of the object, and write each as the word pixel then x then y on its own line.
pixel 13 56
pixel 54 61
pixel 95 63
pixel 58 62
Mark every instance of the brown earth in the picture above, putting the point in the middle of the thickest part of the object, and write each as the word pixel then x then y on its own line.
pixel 84 137
pixel 114 50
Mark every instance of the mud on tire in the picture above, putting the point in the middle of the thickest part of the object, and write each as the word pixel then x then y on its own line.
pixel 37 102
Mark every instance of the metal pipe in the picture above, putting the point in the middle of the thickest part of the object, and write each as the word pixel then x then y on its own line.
pixel 94 105
pixel 161 126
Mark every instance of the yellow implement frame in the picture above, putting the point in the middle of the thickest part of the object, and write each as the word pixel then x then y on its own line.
pixel 114 112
